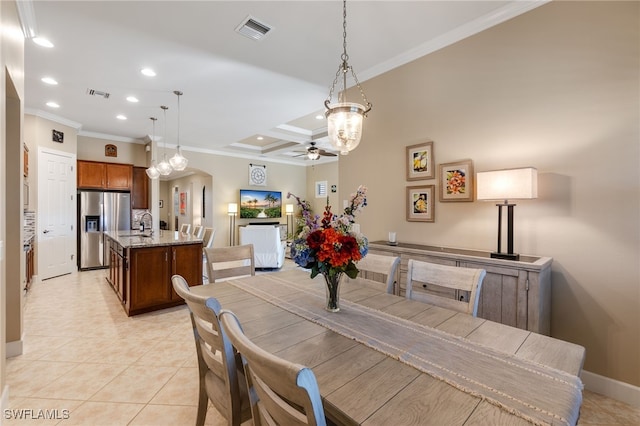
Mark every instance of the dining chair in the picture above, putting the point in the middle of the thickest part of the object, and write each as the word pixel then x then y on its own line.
pixel 280 392
pixel 446 286
pixel 378 267
pixel 185 228
pixel 224 263
pixel 221 375
pixel 208 236
pixel 198 231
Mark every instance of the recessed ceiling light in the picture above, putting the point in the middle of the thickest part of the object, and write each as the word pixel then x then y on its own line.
pixel 132 99
pixel 41 41
pixel 49 80
pixel 148 72
pixel 319 117
pixel 121 117
pixel 259 138
pixel 53 104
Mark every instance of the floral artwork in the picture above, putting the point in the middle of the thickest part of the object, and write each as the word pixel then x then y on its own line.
pixel 420 203
pixel 329 245
pixel 420 161
pixel 456 181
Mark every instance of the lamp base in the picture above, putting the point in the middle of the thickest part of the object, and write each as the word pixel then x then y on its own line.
pixel 507 256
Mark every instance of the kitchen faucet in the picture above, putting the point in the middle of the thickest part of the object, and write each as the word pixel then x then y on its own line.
pixel 150 222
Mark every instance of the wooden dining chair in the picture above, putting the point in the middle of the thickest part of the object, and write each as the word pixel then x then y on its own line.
pixel 381 268
pixel 220 370
pixel 446 286
pixel 198 231
pixel 280 392
pixel 185 228
pixel 224 263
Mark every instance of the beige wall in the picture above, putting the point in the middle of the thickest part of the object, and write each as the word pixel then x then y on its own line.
pixel 317 173
pixel 92 149
pixel 11 93
pixel 192 185
pixel 557 89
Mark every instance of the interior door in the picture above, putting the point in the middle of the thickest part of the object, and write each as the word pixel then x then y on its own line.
pixel 56 213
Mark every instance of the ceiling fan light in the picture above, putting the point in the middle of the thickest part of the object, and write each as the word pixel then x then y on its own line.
pixel 313 154
pixel 344 125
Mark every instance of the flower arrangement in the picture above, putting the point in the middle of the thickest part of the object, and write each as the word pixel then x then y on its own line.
pixel 328 245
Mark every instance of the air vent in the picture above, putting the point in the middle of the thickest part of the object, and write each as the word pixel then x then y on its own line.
pixel 93 92
pixel 253 29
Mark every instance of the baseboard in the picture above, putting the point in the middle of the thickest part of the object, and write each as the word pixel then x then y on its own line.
pixel 14 348
pixel 611 388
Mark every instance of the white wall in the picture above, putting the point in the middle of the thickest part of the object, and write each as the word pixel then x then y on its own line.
pixel 556 88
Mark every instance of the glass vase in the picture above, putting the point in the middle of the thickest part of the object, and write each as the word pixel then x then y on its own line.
pixel 332 291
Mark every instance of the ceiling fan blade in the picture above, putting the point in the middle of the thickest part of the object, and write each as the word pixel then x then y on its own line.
pixel 326 153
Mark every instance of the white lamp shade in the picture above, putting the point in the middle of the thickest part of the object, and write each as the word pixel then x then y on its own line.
pixel 289 208
pixel 510 184
pixel 233 208
pixel 178 161
pixel 344 125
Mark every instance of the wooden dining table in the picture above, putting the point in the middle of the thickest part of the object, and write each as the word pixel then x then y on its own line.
pixel 385 360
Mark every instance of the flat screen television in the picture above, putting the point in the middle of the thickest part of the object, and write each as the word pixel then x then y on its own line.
pixel 259 204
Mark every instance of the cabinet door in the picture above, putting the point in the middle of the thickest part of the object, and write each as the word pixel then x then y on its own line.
pixel 140 189
pixel 149 275
pixel 91 174
pixel 119 176
pixel 187 261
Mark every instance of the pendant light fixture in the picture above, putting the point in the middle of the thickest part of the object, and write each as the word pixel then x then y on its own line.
pixel 178 161
pixel 152 171
pixel 344 119
pixel 164 167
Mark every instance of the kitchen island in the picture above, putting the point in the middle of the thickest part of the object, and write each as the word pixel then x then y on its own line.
pixel 141 266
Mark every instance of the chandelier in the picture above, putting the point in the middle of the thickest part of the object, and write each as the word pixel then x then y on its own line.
pixel 153 171
pixel 344 119
pixel 178 161
pixel 164 167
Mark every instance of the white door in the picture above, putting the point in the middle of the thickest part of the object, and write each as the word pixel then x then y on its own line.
pixel 56 213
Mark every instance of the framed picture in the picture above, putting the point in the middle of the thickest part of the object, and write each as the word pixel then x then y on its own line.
pixel 420 161
pixel 456 181
pixel 183 203
pixel 421 203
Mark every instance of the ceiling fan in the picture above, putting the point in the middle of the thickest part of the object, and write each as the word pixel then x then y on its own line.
pixel 313 152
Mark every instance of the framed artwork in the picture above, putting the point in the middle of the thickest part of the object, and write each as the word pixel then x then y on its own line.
pixel 257 175
pixel 57 136
pixel 110 150
pixel 183 203
pixel 421 203
pixel 456 181
pixel 420 161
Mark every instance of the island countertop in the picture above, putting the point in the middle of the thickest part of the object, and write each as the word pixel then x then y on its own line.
pixel 137 239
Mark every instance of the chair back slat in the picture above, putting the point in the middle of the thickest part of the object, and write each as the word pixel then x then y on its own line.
pixel 207 237
pixel 380 268
pixel 282 392
pixel 229 262
pixel 198 231
pixel 447 286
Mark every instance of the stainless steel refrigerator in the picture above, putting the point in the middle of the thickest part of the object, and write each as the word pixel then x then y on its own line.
pixel 99 212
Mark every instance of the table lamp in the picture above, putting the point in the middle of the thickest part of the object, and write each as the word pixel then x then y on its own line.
pixel 510 184
pixel 232 211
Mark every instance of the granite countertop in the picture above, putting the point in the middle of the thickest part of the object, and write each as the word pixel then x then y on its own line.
pixel 137 239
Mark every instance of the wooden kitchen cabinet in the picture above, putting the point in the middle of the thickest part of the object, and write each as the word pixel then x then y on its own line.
pixel 516 293
pixel 140 189
pixel 97 175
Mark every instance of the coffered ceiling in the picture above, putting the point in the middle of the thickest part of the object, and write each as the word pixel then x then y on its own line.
pixel 236 89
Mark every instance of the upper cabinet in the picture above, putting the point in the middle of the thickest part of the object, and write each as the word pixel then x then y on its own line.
pixel 96 175
pixel 140 189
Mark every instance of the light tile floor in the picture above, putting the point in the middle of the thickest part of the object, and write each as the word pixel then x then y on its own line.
pixel 82 354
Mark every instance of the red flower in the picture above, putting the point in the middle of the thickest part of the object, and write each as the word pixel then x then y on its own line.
pixel 315 239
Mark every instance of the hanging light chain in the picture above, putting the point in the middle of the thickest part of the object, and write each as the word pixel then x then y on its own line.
pixel 178 93
pixel 344 68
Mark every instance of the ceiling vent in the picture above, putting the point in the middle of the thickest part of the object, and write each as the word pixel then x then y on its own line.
pixel 253 29
pixel 93 92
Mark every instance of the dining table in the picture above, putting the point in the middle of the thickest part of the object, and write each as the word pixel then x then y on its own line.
pixel 385 360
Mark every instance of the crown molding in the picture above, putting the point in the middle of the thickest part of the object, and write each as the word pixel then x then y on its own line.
pixel 52 117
